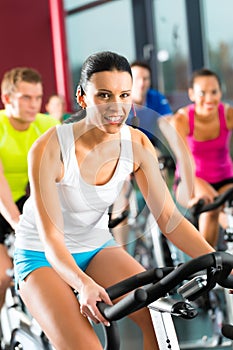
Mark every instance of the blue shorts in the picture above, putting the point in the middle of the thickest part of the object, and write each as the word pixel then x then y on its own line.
pixel 26 261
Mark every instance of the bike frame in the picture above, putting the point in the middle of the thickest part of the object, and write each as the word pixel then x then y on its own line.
pixel 18 329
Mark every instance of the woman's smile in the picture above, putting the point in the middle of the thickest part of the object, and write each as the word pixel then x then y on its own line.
pixel 114 119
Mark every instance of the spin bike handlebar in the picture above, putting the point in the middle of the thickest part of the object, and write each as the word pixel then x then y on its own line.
pixel 201 207
pixel 157 283
pixel 227 331
pixel 221 262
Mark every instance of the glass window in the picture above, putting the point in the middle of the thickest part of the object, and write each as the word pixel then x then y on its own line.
pixel 172 50
pixel 219 40
pixel 105 27
pixel 71 4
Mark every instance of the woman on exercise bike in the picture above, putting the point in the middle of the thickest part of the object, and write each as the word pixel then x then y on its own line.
pixel 62 240
pixel 199 135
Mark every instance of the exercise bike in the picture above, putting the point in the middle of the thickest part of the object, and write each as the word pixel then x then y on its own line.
pixel 226 201
pixel 18 329
pixel 150 289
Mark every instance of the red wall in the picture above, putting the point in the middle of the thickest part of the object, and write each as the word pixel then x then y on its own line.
pixel 26 39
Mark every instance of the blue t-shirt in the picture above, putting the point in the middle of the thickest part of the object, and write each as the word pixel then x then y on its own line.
pixel 158 102
pixel 156 106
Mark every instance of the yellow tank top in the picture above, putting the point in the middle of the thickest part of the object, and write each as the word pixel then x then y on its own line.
pixel 14 147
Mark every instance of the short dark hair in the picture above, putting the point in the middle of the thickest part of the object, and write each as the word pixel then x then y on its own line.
pixel 203 72
pixel 141 64
pixel 102 61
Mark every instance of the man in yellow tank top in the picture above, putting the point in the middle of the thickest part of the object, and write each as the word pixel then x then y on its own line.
pixel 20 125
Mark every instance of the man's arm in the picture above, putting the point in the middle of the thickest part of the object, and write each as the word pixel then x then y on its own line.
pixel 8 208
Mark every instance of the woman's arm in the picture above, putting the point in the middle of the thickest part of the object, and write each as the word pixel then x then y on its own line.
pixel 229 116
pixel 172 224
pixel 45 169
pixel 176 129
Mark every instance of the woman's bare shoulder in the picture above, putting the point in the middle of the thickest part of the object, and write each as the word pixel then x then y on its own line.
pixel 139 137
pixel 46 142
pixel 46 154
pixel 180 120
pixel 180 114
pixel 142 148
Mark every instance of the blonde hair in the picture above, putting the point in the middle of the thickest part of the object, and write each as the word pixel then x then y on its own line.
pixel 16 75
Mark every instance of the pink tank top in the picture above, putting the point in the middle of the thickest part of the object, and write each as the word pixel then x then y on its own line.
pixel 212 157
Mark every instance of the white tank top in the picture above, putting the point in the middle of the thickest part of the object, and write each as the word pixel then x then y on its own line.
pixel 84 206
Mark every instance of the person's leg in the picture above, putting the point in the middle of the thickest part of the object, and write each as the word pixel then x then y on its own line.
pixel 209 226
pixel 53 304
pixel 208 221
pixel 223 221
pixel 113 264
pixel 5 280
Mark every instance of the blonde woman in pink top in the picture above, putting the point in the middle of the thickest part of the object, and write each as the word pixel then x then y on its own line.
pixel 201 144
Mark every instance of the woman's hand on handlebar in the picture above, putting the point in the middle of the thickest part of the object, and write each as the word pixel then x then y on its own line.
pixel 202 191
pixel 195 200
pixel 89 294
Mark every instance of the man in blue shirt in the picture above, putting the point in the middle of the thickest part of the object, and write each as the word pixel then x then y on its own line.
pixel 149 104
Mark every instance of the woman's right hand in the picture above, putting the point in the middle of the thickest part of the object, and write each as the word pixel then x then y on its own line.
pixel 89 294
pixel 196 199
